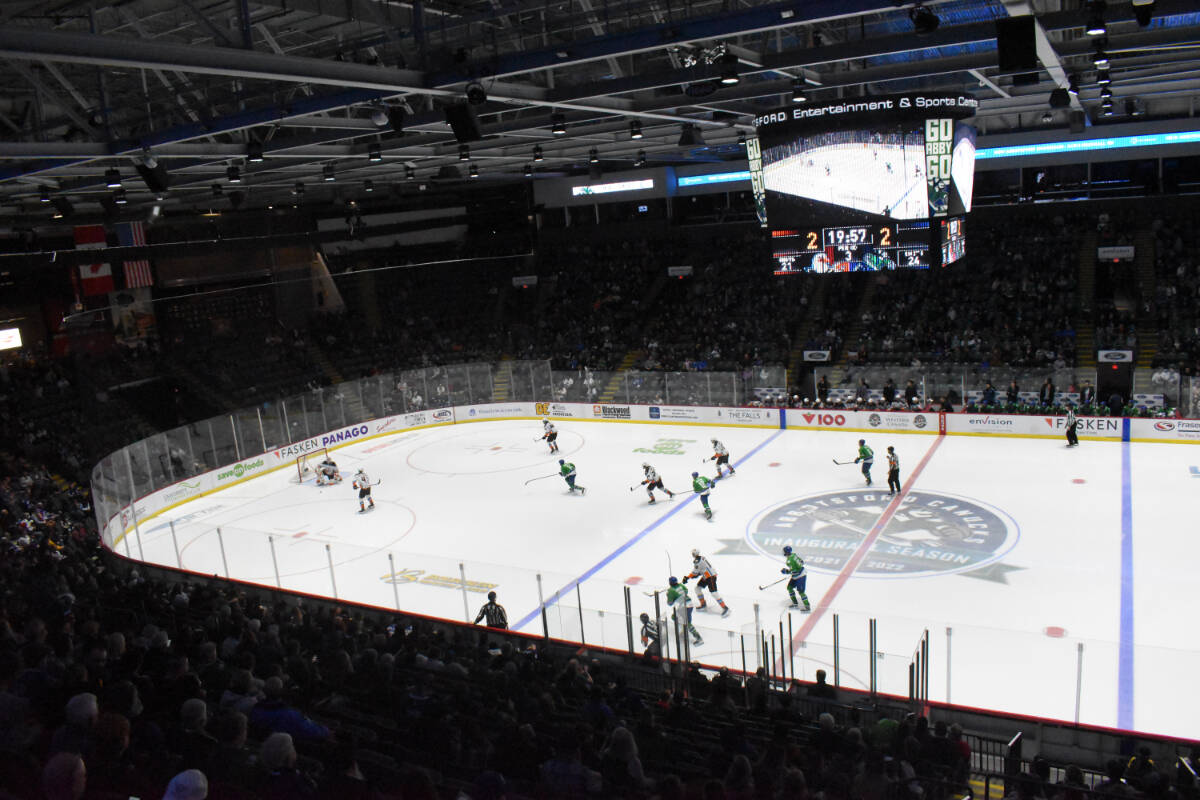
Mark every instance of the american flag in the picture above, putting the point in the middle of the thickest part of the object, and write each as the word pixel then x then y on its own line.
pixel 137 273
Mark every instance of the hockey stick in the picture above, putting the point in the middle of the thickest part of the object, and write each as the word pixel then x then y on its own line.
pixel 842 463
pixel 669 565
pixel 542 477
pixel 769 585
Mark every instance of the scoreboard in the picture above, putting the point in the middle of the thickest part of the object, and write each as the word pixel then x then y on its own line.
pixel 864 184
pixel 853 248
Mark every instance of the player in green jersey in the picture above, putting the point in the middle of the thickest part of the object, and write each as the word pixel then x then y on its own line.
pixel 867 456
pixel 678 599
pixel 568 472
pixel 798 580
pixel 702 486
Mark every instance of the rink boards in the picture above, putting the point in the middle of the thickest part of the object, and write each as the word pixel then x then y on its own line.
pixel 1010 548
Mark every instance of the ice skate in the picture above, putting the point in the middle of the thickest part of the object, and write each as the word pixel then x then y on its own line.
pixel 725 611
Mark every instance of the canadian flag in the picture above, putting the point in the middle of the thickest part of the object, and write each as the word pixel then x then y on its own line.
pixel 96 278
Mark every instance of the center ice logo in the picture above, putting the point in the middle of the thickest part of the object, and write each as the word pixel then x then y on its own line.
pixel 932 533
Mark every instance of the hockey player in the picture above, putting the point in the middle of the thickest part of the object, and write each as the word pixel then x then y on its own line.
pixel 550 435
pixel 568 472
pixel 650 638
pixel 867 456
pixel 362 482
pixel 702 486
pixel 677 598
pixel 652 481
pixel 702 568
pixel 721 455
pixel 798 580
pixel 327 472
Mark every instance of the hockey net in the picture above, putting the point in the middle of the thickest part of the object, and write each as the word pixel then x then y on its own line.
pixel 306 464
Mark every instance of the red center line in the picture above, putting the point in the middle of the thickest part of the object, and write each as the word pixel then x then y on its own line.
pixel 865 547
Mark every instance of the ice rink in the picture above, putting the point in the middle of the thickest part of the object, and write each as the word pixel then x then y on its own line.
pixel 1038 570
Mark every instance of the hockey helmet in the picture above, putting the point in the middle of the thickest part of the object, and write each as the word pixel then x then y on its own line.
pixel 787 549
pixel 645 465
pixel 862 441
pixel 359 471
pixel 491 595
pixel 672 580
pixel 714 441
pixel 644 617
pixel 695 474
pixel 695 554
pixel 562 461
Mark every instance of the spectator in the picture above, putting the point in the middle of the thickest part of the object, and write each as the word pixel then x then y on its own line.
pixel 620 765
pixel 231 762
pixel 282 780
pixel 64 777
pixel 889 392
pixel 989 394
pixel 739 779
pixel 75 735
pixel 190 784
pixel 273 714
pixel 192 742
pixel 564 775
pixel 344 780
pixel 821 689
pixel 910 393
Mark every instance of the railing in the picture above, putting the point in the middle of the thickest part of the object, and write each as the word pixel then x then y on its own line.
pixel 747 387
pixel 869 652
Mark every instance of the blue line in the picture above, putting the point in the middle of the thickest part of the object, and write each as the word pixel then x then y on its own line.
pixel 1125 651
pixel 532 615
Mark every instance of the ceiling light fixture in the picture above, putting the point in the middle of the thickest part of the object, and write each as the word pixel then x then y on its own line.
pixel 119 197
pixel 1099 58
pixel 635 129
pixel 923 20
pixel 464 152
pixel 298 189
pixel 112 178
pixel 474 171
pixel 409 173
pixel 593 156
pixel 529 170
pixel 537 152
pixel 1103 77
pixel 558 124
pixel 368 185
pixel 798 93
pixel 254 152
pixel 741 140
pixel 374 153
pixel 233 174
pixel 327 173
pixel 641 158
pixel 44 197
pixel 729 69
pixel 1095 19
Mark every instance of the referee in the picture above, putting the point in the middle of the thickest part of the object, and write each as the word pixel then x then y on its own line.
pixel 893 470
pixel 497 617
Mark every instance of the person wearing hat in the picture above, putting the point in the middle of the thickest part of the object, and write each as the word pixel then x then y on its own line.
pixel 867 456
pixel 497 617
pixel 568 472
pixel 650 637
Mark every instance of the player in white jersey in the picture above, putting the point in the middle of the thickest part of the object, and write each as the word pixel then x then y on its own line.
pixel 702 568
pixel 652 481
pixel 362 482
pixel 550 435
pixel 327 472
pixel 721 455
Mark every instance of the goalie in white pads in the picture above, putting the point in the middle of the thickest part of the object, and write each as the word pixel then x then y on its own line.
pixel 721 456
pixel 327 472
pixel 362 482
pixel 652 481
pixel 702 568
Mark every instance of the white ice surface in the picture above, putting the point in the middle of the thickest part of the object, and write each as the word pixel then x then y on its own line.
pixel 458 495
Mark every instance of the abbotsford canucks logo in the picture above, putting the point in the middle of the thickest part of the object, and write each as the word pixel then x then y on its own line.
pixel 931 533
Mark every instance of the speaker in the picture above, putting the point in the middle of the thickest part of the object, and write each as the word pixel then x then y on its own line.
pixel 157 179
pixel 463 122
pixel 1016 44
pixel 1076 118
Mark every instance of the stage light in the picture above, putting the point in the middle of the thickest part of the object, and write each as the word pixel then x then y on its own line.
pixel 112 178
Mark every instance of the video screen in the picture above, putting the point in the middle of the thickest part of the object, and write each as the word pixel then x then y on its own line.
pixel 962 168
pixel 855 185
pixel 954 240
pixel 856 248
pixel 875 171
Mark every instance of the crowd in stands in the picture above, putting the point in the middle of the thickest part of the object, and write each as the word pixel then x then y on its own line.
pixel 1010 304
pixel 1177 299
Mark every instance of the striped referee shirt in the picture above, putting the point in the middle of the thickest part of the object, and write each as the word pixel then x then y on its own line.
pixel 497 617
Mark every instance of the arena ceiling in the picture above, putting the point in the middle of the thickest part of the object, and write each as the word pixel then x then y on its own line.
pixel 356 90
